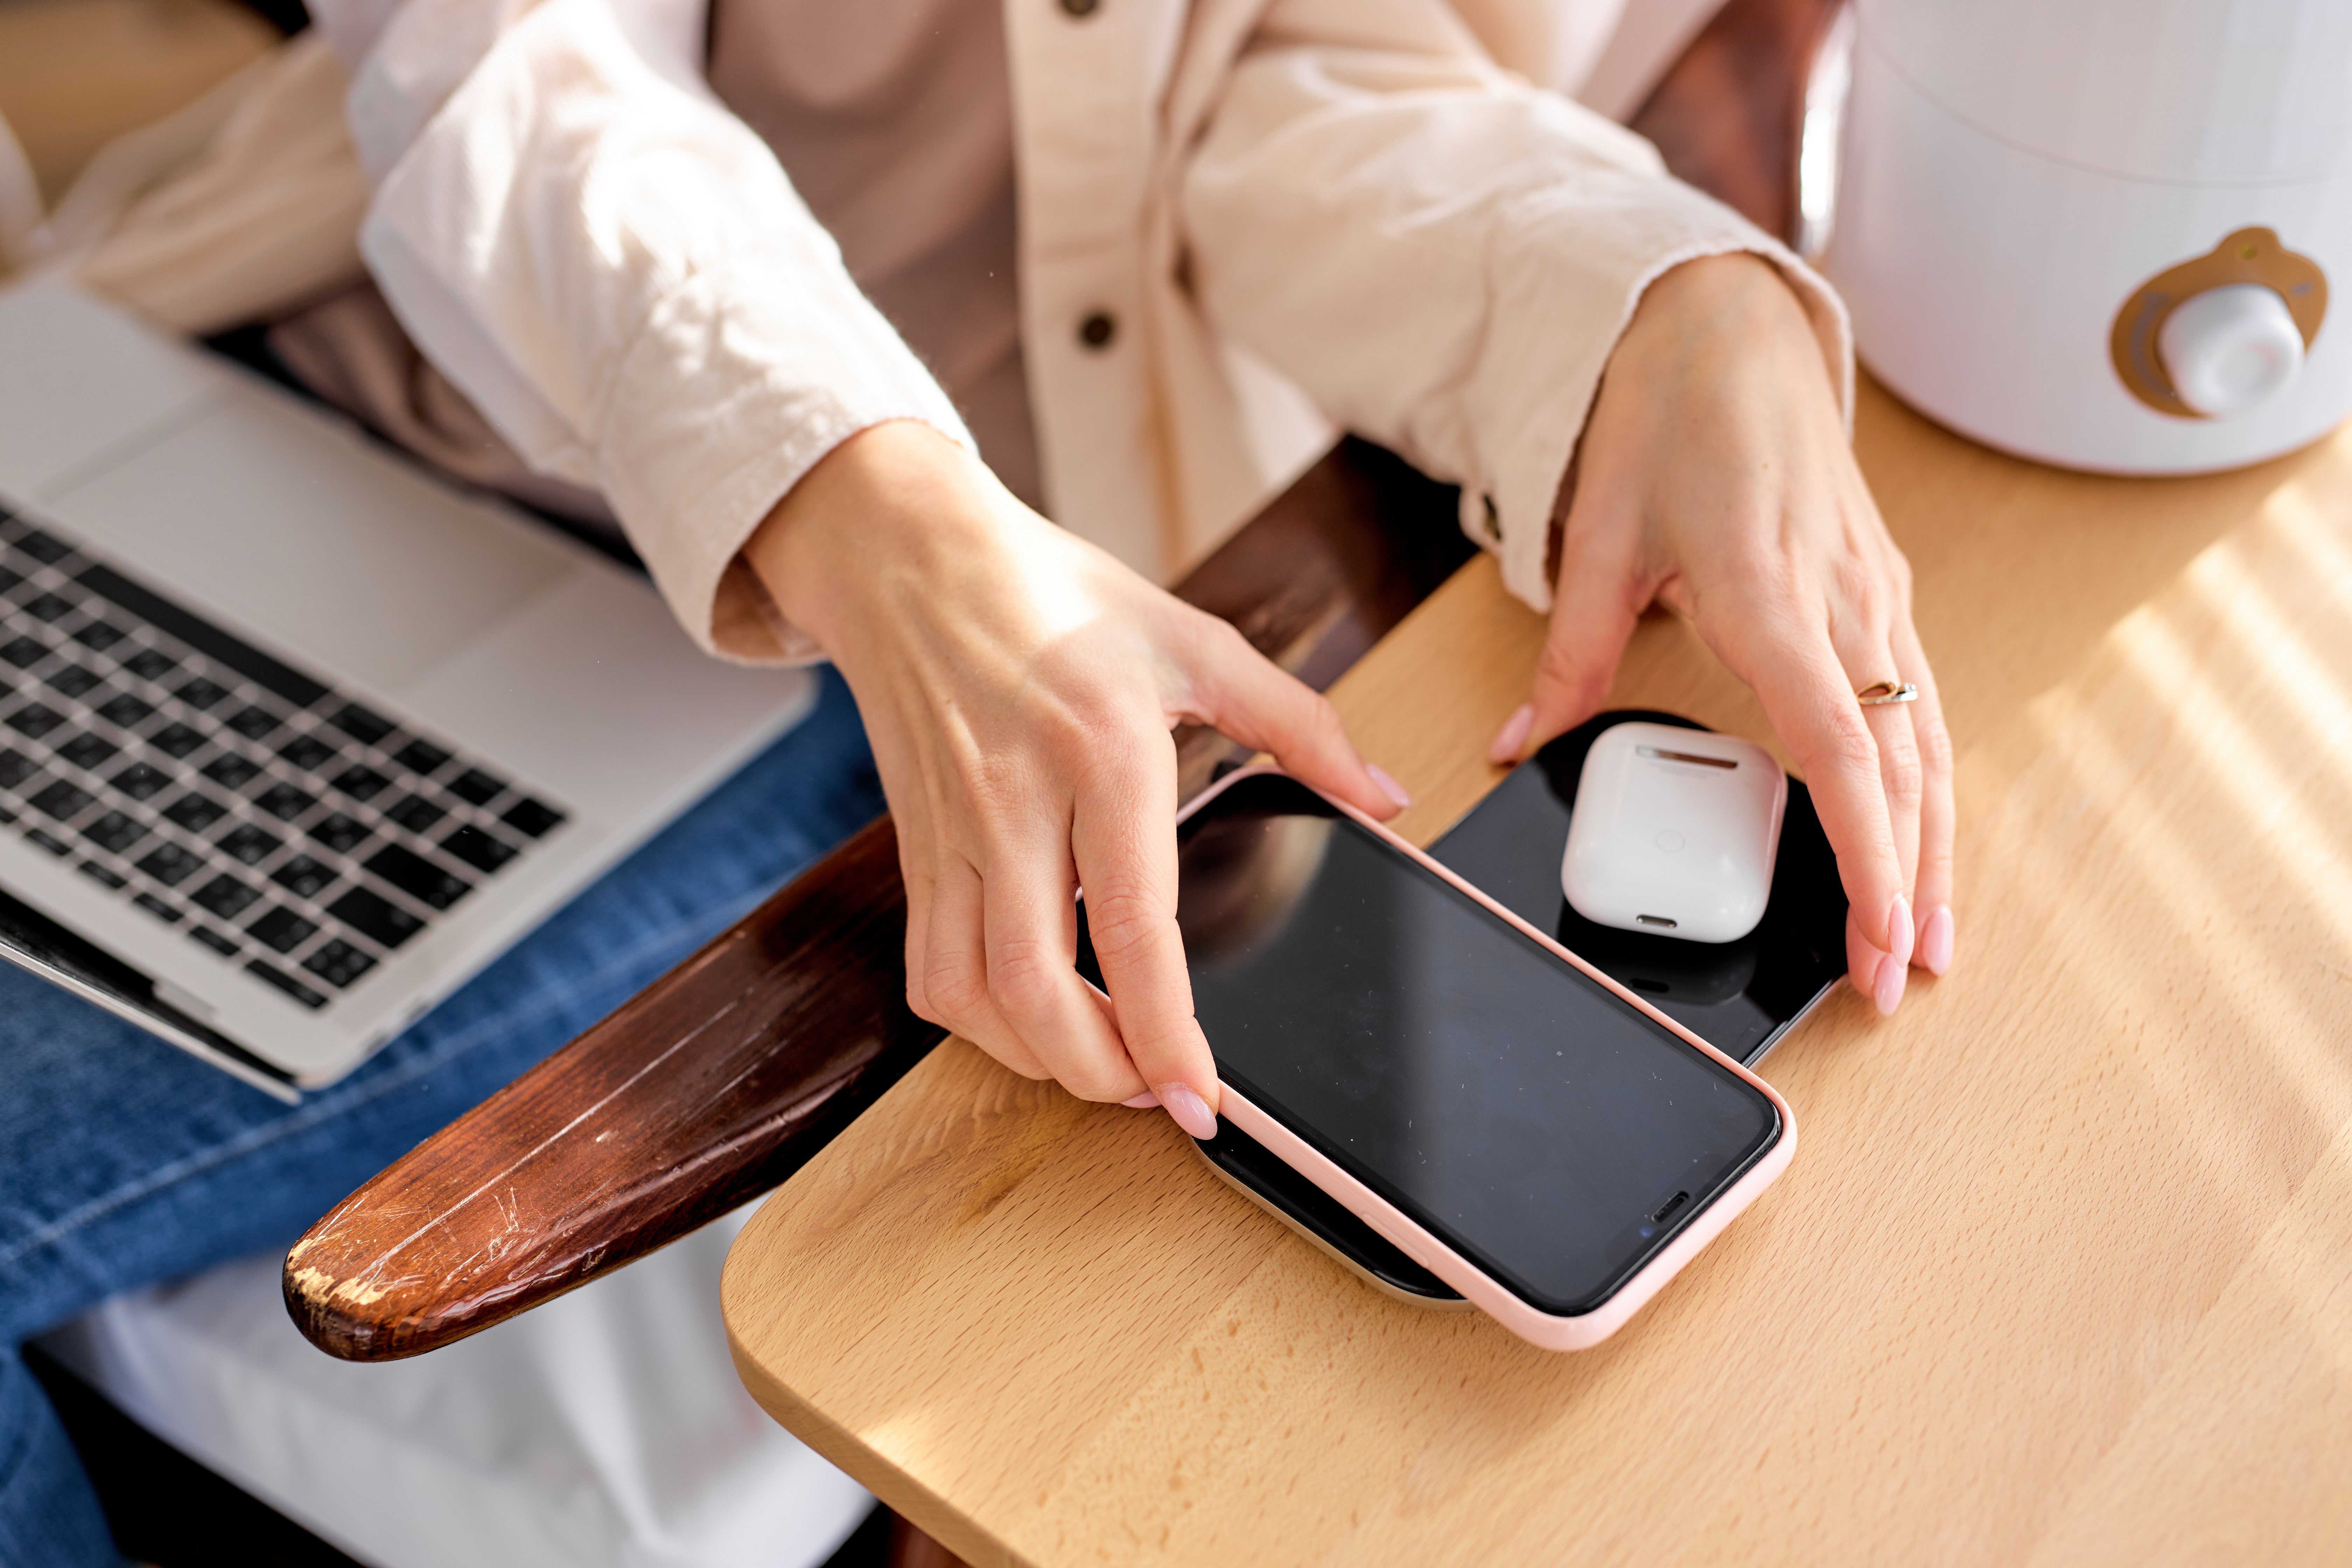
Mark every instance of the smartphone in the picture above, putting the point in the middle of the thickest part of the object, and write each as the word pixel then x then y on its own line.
pixel 1510 1120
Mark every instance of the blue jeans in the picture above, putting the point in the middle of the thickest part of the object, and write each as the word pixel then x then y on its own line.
pixel 124 1161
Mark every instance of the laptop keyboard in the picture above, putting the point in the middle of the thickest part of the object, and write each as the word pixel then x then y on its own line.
pixel 297 834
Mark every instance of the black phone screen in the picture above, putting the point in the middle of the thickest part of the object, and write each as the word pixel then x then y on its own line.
pixel 1535 1122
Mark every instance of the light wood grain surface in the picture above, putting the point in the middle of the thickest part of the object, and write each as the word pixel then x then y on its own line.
pixel 2063 1272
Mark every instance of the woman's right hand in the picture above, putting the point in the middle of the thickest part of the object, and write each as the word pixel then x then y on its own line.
pixel 1018 687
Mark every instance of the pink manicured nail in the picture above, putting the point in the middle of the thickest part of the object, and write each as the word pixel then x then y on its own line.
pixel 1899 933
pixel 1145 1101
pixel 1190 1110
pixel 1513 735
pixel 1936 939
pixel 1389 786
pixel 1888 990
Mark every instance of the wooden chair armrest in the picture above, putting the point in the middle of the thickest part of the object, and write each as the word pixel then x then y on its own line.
pixel 725 1076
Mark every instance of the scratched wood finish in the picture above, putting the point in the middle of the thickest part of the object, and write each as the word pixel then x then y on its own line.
pixel 721 1078
pixel 2062 1273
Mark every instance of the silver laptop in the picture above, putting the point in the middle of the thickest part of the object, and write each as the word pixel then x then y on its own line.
pixel 293 738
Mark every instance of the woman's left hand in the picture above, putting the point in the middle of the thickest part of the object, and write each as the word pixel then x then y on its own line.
pixel 1713 476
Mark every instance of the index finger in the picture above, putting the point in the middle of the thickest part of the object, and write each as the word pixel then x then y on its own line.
pixel 1123 839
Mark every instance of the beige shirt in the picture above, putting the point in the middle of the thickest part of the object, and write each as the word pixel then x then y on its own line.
pixel 894 120
pixel 1242 223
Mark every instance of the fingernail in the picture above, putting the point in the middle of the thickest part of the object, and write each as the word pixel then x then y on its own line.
pixel 1513 735
pixel 1145 1101
pixel 1190 1110
pixel 1888 991
pixel 1899 933
pixel 1936 939
pixel 1389 786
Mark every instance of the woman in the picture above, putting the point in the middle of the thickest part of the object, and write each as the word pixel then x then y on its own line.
pixel 1219 205
pixel 835 306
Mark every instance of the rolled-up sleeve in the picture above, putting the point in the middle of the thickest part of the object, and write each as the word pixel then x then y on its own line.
pixel 1441 255
pixel 620 276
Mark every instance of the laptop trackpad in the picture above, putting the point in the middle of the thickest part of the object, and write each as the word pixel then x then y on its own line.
pixel 307 534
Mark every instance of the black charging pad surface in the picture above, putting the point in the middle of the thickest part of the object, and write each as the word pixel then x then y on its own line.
pixel 1740 997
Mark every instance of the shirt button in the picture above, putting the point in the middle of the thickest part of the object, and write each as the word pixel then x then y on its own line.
pixel 1100 327
pixel 1080 8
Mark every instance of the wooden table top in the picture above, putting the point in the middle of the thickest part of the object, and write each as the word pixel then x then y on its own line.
pixel 2062 1273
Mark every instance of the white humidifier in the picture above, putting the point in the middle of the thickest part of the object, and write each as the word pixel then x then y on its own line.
pixel 2101 232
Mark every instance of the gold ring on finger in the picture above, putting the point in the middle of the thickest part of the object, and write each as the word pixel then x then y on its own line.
pixel 1880 692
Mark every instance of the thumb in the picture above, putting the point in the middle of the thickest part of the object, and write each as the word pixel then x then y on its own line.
pixel 1592 616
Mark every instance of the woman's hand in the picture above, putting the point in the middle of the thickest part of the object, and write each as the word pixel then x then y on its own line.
pixel 1018 687
pixel 1714 477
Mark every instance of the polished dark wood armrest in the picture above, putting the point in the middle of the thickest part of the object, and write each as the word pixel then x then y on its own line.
pixel 728 1074
pixel 725 1076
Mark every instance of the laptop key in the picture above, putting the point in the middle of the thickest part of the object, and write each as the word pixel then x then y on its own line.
pixel 103 875
pixel 154 664
pixel 374 917
pixel 303 877
pixel 100 636
pixel 33 721
pixel 140 781
pixel 361 724
pixel 249 843
pixel 280 928
pixel 46 548
pixel 156 906
pixel 478 849
pixel 533 819
pixel 114 832
pixel 338 962
pixel 62 800
pixel 230 771
pixel 73 679
pixel 475 787
pixel 9 579
pixel 286 983
pixel 170 864
pixel 212 940
pixel 126 711
pixel 415 814
pixel 418 757
pixel 307 752
pixel 339 832
pixel 24 652
pixel 224 896
pixel 48 841
pixel 361 782
pixel 252 721
pixel 415 875
pixel 87 751
pixel 196 812
pixel 285 802
pixel 15 767
pixel 49 608
pixel 176 739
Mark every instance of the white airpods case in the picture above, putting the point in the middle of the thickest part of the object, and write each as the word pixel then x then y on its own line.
pixel 1674 833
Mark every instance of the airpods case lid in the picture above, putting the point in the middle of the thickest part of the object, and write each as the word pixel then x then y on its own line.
pixel 1673 833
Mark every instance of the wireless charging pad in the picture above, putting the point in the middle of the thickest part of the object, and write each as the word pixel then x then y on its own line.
pixel 1739 996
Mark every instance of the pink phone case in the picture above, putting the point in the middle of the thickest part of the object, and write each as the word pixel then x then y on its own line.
pixel 1482 1291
